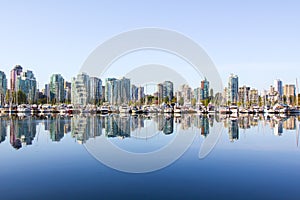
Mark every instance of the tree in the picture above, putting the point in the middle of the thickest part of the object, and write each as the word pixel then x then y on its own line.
pixel 228 103
pixel 205 102
pixel 22 98
pixel 174 100
pixel 7 96
pixel 193 101
pixel 166 99
pixel 260 103
pixel 181 101
pixel 239 103
pixel 284 99
pixel 42 100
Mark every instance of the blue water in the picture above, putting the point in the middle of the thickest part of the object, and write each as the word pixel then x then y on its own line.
pixel 255 158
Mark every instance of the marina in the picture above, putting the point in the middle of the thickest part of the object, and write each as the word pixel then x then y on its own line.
pixel 164 108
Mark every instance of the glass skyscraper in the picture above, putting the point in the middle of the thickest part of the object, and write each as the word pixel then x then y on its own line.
pixel 233 88
pixel 168 90
pixel 278 87
pixel 117 91
pixel 3 87
pixel 26 83
pixel 95 90
pixel 57 91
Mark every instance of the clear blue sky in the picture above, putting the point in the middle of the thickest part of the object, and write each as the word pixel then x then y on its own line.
pixel 258 40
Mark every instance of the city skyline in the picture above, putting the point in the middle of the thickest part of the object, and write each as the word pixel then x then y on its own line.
pixel 83 89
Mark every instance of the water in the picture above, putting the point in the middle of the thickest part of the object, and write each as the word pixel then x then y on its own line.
pixel 256 157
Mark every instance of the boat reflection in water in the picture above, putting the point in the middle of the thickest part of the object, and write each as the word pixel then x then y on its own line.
pixel 23 129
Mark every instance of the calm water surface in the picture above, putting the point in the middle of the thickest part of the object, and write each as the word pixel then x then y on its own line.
pixel 44 157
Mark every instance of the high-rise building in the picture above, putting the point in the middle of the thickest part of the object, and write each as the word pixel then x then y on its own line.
pixel 124 91
pixel 26 83
pixel 197 94
pixel 57 90
pixel 67 87
pixel 141 93
pixel 186 93
pixel 95 90
pixel 111 90
pixel 103 93
pixel 80 94
pixel 233 88
pixel 278 87
pixel 134 93
pixel 244 95
pixel 118 91
pixel 160 91
pixel 204 89
pixel 3 87
pixel 168 90
pixel 253 96
pixel 16 71
pixel 289 91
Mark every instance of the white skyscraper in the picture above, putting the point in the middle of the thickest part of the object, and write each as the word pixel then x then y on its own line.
pixel 80 90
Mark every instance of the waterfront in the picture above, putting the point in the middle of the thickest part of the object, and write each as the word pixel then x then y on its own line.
pixel 257 156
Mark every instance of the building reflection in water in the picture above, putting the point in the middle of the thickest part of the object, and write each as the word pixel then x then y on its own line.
pixel 203 123
pixel 233 129
pixel 84 127
pixel 22 130
pixel 278 128
pixel 57 126
pixel 117 126
pixel 290 123
pixel 3 127
pixel 168 124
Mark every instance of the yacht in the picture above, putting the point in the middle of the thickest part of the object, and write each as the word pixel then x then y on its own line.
pixel 124 109
pixel 177 109
pixel 234 110
pixel 23 108
pixel 168 110
pixel 224 110
pixel 104 110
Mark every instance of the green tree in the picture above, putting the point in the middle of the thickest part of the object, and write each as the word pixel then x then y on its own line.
pixel 42 100
pixel 166 99
pixel 7 96
pixel 193 101
pixel 284 99
pixel 239 103
pixel 260 103
pixel 205 102
pixel 174 100
pixel 22 98
pixel 181 101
